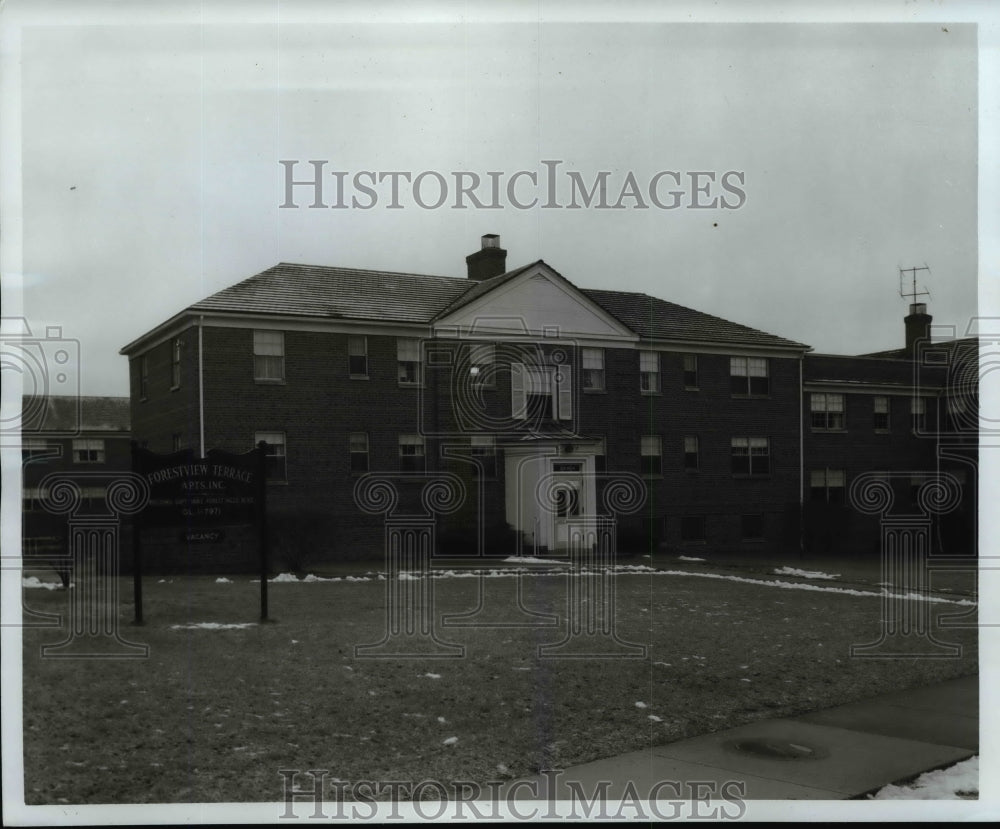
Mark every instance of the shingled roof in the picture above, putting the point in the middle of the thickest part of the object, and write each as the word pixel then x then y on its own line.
pixel 71 414
pixel 656 319
pixel 351 293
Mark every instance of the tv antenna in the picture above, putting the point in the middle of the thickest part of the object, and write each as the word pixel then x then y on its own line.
pixel 913 293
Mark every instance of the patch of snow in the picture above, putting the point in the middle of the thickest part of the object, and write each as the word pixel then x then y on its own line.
pixel 640 704
pixel 531 560
pixel 442 720
pixel 450 741
pixel 214 626
pixel 33 582
pixel 502 769
pixel 959 782
pixel 223 580
pixel 654 718
pixel 690 558
pixel 432 676
pixel 806 574
pixel 283 577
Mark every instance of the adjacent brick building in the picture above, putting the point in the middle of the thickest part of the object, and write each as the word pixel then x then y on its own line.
pixel 87 440
pixel 536 394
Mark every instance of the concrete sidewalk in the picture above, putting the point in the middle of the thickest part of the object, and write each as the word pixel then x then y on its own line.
pixel 834 754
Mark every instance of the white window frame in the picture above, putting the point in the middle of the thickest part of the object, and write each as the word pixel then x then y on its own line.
pixel 750 444
pixel 827 480
pixel 750 369
pixel 649 372
pixel 879 402
pixel 559 388
pixel 831 409
pixel 651 446
pixel 592 369
pixel 693 359
pixel 418 450
pixel 268 355
pixel 355 451
pixel 689 441
pixel 409 354
pixel 88 445
pixel 277 442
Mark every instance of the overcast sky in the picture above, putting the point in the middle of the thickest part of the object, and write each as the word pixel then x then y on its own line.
pixel 151 147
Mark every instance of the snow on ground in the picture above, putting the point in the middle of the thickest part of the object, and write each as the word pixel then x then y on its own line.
pixel 959 782
pixel 34 582
pixel 690 558
pixel 806 574
pixel 532 560
pixel 214 626
pixel 223 580
pixel 451 741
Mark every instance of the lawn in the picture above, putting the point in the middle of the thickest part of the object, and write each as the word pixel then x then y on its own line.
pixel 213 714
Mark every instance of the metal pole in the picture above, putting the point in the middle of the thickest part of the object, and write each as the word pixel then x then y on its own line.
pixel 262 525
pixel 136 524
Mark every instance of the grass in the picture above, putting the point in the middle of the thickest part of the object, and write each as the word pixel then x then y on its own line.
pixel 212 715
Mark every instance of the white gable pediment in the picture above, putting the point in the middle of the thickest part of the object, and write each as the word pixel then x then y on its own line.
pixel 536 303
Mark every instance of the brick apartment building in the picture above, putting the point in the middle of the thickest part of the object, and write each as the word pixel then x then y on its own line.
pixel 515 381
pixel 86 438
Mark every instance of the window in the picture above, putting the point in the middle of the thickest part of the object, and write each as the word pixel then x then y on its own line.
pixel 540 394
pixel 691 453
pixel 177 441
pixel 652 455
pixel 693 528
pixel 31 498
pixel 649 372
pixel 827 412
pixel 36 447
pixel 749 376
pixel 411 453
pixel 881 414
pixel 88 451
pixel 274 463
pixel 359 451
pixel 752 527
pixel 691 371
pixel 827 485
pixel 593 369
pixel 143 376
pixel 485 450
pixel 918 413
pixel 357 356
pixel 268 356
pixel 751 456
pixel 481 363
pixel 408 354
pixel 175 363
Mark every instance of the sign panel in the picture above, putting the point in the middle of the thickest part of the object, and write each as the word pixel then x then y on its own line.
pixel 186 491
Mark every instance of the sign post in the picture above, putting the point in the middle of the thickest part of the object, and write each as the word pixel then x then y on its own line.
pixel 197 497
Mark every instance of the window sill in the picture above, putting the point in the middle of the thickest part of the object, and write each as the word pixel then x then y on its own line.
pixel 174 388
pixel 751 396
pixel 691 471
pixel 358 377
pixel 650 393
pixel 595 391
pixel 821 430
pixel 403 385
pixel 267 381
pixel 883 431
pixel 744 476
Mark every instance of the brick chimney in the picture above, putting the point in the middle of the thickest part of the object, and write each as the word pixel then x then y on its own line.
pixel 489 261
pixel 918 325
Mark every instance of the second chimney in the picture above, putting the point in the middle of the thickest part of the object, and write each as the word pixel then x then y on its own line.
pixel 489 261
pixel 918 325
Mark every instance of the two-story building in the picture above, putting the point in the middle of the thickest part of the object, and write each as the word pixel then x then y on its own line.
pixel 536 393
pixel 85 439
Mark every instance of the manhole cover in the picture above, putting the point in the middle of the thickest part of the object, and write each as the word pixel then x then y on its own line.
pixel 772 749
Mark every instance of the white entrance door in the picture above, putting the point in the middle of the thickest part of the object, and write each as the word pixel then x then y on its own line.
pixel 569 497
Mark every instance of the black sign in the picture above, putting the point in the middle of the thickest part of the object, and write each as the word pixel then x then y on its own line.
pixel 186 491
pixel 197 496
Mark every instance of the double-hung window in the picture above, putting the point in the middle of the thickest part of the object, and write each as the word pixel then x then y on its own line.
pixel 649 372
pixel 411 453
pixel 827 485
pixel 408 356
pixel 749 376
pixel 88 451
pixel 593 369
pixel 751 456
pixel 881 407
pixel 484 449
pixel 827 412
pixel 357 356
pixel 274 460
pixel 359 452
pixel 268 356
pixel 652 455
